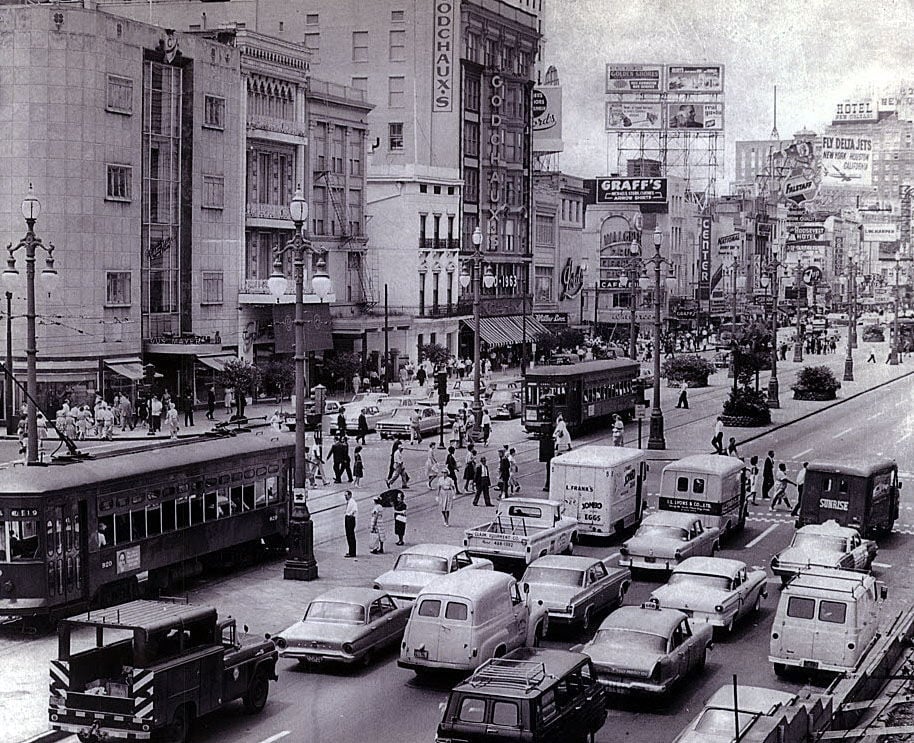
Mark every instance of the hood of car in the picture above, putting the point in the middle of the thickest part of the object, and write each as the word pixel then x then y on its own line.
pixel 659 546
pixel 321 632
pixel 685 596
pixel 613 659
pixel 803 557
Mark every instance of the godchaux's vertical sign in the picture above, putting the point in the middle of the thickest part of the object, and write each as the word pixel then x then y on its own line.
pixel 704 259
pixel 444 34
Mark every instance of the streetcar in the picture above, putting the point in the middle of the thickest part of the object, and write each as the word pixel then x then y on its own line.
pixel 80 534
pixel 587 393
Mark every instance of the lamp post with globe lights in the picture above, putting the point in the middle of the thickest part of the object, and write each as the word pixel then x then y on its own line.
pixel 31 208
pixel 656 438
pixel 488 281
pixel 629 278
pixel 300 564
pixel 772 269
pixel 851 323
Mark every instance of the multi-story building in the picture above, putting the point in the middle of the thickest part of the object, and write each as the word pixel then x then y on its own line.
pixel 131 137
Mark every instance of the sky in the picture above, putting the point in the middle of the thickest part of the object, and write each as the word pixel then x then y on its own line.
pixel 818 53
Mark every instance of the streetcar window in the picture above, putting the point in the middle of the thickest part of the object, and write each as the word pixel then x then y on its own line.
pixel 272 490
pixel 121 528
pixel 182 509
pixel 209 506
pixel 196 508
pixel 138 524
pixel 52 579
pixel 222 503
pixel 49 539
pixel 168 516
pixel 154 521
pixel 18 540
pixel 531 394
pixel 104 537
pixel 247 497
pixel 235 497
pixel 260 493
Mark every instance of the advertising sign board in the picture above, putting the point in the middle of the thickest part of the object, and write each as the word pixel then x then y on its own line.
pixel 696 115
pixel 804 231
pixel 882 232
pixel 704 258
pixel 861 110
pixel 633 116
pixel 445 33
pixel 695 78
pixel 634 78
pixel 729 244
pixel 615 190
pixel 847 160
pixel 547 118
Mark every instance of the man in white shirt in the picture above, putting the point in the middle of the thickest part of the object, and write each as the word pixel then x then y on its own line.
pixel 352 512
pixel 155 415
pixel 801 480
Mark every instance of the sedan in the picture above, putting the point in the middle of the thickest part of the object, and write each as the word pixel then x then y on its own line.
pixel 417 566
pixel 647 649
pixel 827 545
pixel 400 423
pixel 344 625
pixel 713 590
pixel 504 403
pixel 373 414
pixel 574 590
pixel 666 538
pixel 756 704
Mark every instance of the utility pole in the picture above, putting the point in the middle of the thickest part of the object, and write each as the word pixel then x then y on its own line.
pixel 386 345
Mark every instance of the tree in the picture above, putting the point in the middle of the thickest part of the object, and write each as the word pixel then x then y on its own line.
pixel 243 377
pixel 279 378
pixel 690 368
pixel 434 352
pixel 341 366
pixel 553 341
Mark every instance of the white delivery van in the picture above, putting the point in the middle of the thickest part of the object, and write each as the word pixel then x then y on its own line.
pixel 708 485
pixel 601 486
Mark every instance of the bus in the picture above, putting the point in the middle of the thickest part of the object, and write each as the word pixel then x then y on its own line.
pixel 95 532
pixel 588 393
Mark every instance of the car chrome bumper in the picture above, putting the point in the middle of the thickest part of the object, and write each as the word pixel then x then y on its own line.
pixel 616 685
pixel 314 655
pixel 640 562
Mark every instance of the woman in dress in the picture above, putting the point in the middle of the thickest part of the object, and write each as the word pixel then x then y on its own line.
pixel 377 528
pixel 445 496
pixel 431 464
pixel 171 420
pixel 618 431
pixel 400 518
pixel 469 470
pixel 560 435
pixel 358 469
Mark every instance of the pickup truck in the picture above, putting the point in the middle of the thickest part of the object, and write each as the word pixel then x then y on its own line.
pixel 178 662
pixel 523 530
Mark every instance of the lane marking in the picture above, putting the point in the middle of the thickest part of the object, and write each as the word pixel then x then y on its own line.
pixel 839 435
pixel 880 565
pixel 900 403
pixel 907 435
pixel 874 416
pixel 805 451
pixel 906 474
pixel 761 536
pixel 278 736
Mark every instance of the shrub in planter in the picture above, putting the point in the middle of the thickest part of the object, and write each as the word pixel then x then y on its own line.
pixel 873 333
pixel 692 369
pixel 815 383
pixel 747 407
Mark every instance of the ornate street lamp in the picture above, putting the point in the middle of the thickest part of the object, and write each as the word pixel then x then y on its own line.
pixel 31 208
pixel 633 268
pixel 656 438
pixel 798 334
pixel 773 391
pixel 851 322
pixel 895 352
pixel 300 564
pixel 488 281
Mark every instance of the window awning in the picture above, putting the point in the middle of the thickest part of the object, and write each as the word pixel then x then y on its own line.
pixel 507 330
pixel 130 368
pixel 216 362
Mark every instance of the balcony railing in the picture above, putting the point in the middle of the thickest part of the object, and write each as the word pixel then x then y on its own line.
pixel 282 126
pixel 259 286
pixel 267 211
pixel 345 92
pixel 439 243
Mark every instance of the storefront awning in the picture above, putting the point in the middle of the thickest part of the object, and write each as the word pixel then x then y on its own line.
pixel 130 368
pixel 507 330
pixel 217 361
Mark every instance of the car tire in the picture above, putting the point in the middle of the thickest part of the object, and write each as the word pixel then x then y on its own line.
pixel 587 619
pixel 539 634
pixel 367 659
pixel 178 731
pixel 758 604
pixel 702 660
pixel 780 670
pixel 569 550
pixel 255 699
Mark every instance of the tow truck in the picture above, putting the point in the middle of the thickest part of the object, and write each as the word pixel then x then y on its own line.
pixel 154 667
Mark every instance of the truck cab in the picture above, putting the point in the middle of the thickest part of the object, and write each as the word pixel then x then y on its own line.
pixel 154 666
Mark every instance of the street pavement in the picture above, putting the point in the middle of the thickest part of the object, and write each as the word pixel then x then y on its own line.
pixel 337 705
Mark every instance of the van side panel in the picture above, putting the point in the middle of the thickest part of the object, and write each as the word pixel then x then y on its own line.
pixel 720 501
pixel 584 491
pixel 624 499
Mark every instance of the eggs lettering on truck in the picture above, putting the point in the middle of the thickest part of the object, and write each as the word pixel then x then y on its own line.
pixel 826 620
pixel 707 485
pixel 461 620
pixel 601 487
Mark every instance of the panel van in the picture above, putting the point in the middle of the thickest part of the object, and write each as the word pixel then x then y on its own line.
pixel 460 620
pixel 709 485
pixel 601 486
pixel 826 620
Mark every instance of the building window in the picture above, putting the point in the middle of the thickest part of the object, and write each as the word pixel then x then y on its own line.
pixel 472 47
pixel 213 192
pixel 523 63
pixel 395 91
pixel 359 46
pixel 120 183
pixel 450 227
pixel 423 222
pixel 423 188
pixel 318 210
pixel 117 290
pixel 398 46
pixel 359 83
pixel 211 285
pixel 313 44
pixel 355 213
pixel 395 136
pixel 398 16
pixel 213 112
pixel 312 19
pixel 471 183
pixel 270 174
pixel 337 146
pixel 472 93
pixel 545 229
pixel 490 53
pixel 355 153
pixel 471 139
pixel 120 95
pixel 436 233
pixel 542 284
pixel 436 283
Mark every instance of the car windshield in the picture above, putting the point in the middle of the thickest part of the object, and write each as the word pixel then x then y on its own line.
pixel 555 576
pixel 720 582
pixel 662 531
pixel 421 563
pixel 818 542
pixel 335 612
pixel 720 722
pixel 627 639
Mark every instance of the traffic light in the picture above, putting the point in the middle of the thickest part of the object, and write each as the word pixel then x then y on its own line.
pixel 547 405
pixel 441 387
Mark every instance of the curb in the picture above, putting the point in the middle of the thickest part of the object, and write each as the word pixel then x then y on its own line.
pixel 841 401
pixel 48 736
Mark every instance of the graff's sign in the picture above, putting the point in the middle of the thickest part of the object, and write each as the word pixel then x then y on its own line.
pixel 631 190
pixel 443 57
pixel 572 280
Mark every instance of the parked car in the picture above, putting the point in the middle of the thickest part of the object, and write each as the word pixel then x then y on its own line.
pixel 827 545
pixel 399 424
pixel 344 625
pixel 504 404
pixel 715 590
pixel 755 704
pixel 721 359
pixel 417 566
pixel 574 590
pixel 666 538
pixel 647 649
pixel 373 414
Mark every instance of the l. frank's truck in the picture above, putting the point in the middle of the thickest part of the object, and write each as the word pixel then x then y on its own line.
pixel 601 487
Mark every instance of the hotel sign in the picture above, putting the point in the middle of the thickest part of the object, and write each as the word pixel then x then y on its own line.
pixel 443 40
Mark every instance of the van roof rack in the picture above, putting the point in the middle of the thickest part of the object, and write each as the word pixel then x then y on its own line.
pixel 524 673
